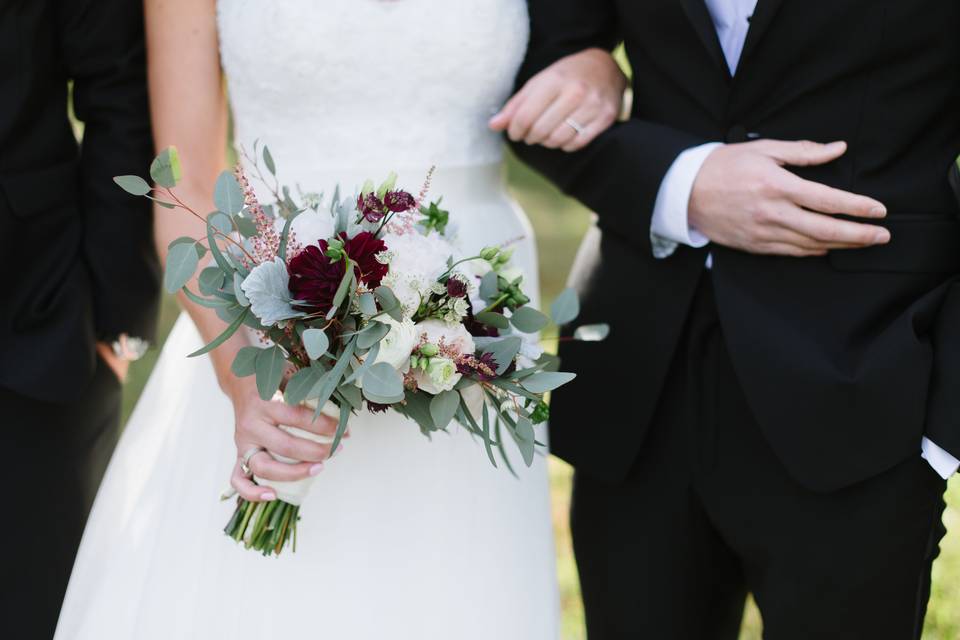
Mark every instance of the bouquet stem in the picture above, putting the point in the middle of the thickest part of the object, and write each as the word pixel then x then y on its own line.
pixel 266 527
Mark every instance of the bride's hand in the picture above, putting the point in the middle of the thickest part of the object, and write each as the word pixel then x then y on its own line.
pixel 566 105
pixel 257 426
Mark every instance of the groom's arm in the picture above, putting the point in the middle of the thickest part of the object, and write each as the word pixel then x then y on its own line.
pixel 620 173
pixel 102 46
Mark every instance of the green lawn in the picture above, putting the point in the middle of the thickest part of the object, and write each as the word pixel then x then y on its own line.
pixel 559 224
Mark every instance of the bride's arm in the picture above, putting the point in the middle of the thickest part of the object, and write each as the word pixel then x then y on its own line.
pixel 566 105
pixel 189 110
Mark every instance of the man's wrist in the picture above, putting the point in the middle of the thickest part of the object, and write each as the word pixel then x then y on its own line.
pixel 670 220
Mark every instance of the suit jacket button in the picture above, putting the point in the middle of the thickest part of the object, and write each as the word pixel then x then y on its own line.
pixel 737 133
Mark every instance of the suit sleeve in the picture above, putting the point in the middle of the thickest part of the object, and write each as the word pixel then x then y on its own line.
pixel 103 49
pixel 619 174
pixel 943 413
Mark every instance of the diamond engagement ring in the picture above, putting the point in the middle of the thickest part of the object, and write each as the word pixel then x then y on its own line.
pixel 245 459
pixel 576 126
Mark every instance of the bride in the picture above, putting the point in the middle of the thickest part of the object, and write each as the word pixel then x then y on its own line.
pixel 401 537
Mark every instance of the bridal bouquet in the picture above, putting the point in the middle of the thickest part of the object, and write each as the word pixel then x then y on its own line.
pixel 363 302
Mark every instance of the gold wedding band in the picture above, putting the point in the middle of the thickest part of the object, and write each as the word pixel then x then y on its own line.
pixel 576 126
pixel 245 459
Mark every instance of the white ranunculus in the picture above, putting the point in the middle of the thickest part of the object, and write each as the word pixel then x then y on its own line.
pixel 441 375
pixel 267 288
pixel 310 227
pixel 398 344
pixel 453 335
pixel 416 263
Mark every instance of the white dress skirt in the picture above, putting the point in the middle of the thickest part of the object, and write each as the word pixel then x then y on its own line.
pixel 400 537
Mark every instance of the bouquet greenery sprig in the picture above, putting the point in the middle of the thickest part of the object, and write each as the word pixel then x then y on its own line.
pixel 363 303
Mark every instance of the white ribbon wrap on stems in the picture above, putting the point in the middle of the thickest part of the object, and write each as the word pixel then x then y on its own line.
pixel 295 492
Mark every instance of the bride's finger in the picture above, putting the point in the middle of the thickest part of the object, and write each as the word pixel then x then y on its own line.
pixel 283 444
pixel 248 489
pixel 302 418
pixel 265 466
pixel 569 101
pixel 539 96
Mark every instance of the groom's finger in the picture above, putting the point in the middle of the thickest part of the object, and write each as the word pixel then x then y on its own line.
pixel 803 153
pixel 819 197
pixel 833 231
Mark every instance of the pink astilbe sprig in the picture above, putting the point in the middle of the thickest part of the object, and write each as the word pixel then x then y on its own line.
pixel 403 223
pixel 266 243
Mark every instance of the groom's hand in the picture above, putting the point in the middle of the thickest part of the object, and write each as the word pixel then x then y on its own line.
pixel 744 198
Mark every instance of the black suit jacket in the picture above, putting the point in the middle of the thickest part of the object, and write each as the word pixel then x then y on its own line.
pixel 847 360
pixel 76 252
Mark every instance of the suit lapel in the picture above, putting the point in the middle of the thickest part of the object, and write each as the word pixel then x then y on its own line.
pixel 699 16
pixel 763 16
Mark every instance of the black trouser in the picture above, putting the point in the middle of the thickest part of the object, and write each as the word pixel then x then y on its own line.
pixel 709 514
pixel 54 458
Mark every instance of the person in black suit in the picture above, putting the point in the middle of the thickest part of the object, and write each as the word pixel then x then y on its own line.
pixel 778 405
pixel 80 278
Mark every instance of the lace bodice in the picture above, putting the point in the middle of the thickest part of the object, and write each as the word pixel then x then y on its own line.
pixel 337 84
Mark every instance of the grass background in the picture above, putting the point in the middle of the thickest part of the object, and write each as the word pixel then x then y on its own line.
pixel 559 224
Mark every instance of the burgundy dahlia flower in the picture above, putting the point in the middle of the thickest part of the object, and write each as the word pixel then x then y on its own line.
pixel 314 278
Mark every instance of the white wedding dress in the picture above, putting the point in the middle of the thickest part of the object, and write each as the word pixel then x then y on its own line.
pixel 400 537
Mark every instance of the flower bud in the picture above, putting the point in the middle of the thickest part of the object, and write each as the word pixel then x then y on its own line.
pixel 429 350
pixel 489 253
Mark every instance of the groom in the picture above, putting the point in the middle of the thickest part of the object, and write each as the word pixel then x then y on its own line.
pixel 79 279
pixel 779 403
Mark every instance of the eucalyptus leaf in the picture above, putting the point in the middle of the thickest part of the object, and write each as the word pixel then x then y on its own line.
pixel 565 308
pixel 227 194
pixel 382 381
pixel 389 302
pixel 221 222
pixel 218 256
pixel 209 303
pixel 352 394
pixel 244 363
pixel 417 407
pixel 269 368
pixel 345 284
pixel 223 337
pixel 331 380
pixel 504 351
pixel 493 319
pixel 268 161
pixel 238 290
pixel 443 407
pixel 316 342
pixel 300 384
pixel 245 226
pixel 372 334
pixel 368 361
pixel 526 440
pixel 488 285
pixel 368 304
pixel 182 261
pixel 165 169
pixel 134 185
pixel 547 381
pixel 529 320
pixel 592 333
pixel 341 429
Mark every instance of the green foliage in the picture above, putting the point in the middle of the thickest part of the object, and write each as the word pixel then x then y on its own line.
pixel 316 342
pixel 382 384
pixel 565 308
pixel 434 217
pixel 165 169
pixel 443 407
pixel 269 367
pixel 134 185
pixel 244 363
pixel 547 381
pixel 182 261
pixel 528 320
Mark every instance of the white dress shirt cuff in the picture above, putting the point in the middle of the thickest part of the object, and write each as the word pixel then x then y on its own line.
pixel 669 226
pixel 941 461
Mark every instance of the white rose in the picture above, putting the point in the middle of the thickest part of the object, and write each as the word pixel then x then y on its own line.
pixel 441 375
pixel 453 335
pixel 398 344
